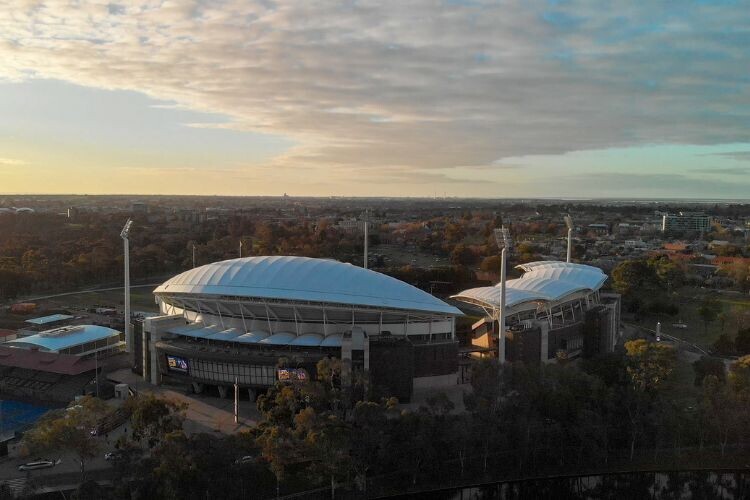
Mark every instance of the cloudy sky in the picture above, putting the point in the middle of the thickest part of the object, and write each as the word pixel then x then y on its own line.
pixel 403 98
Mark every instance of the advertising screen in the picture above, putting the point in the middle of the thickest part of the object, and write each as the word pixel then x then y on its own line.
pixel 292 374
pixel 177 364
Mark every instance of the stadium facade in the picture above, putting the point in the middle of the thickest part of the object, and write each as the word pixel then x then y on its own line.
pixel 554 312
pixel 233 321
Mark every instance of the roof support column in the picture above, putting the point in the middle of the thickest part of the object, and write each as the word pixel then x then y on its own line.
pixel 242 314
pixel 268 318
pixel 221 319
pixel 296 325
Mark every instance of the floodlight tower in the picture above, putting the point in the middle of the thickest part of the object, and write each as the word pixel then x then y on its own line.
pixel 569 223
pixel 366 239
pixel 505 242
pixel 125 235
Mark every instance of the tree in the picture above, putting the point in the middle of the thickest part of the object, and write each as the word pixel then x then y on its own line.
pixel 153 418
pixel 724 345
pixel 648 365
pixel 68 429
pixel 706 366
pixel 491 264
pixel 719 409
pixel 742 341
pixel 709 311
pixel 630 276
pixel 369 429
pixel 462 255
pixel 326 445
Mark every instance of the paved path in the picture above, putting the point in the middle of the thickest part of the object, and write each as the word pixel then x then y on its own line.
pixel 205 413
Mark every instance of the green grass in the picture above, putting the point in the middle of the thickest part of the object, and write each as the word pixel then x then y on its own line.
pixel 689 300
pixel 680 386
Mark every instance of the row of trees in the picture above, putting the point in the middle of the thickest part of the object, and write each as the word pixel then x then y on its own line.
pixel 616 410
pixel 521 420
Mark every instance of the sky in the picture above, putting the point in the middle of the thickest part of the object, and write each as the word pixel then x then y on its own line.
pixel 376 98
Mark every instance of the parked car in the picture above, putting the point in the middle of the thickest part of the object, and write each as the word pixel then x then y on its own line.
pixel 112 455
pixel 37 464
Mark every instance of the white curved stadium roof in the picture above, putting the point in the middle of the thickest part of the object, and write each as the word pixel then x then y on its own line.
pixel 551 282
pixel 303 279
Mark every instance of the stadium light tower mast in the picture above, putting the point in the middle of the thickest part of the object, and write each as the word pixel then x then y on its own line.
pixel 505 242
pixel 569 223
pixel 125 235
pixel 366 258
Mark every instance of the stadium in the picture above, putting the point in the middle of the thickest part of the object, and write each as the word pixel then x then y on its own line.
pixel 234 320
pixel 554 311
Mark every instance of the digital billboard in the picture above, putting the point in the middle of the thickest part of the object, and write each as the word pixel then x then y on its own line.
pixel 177 364
pixel 292 374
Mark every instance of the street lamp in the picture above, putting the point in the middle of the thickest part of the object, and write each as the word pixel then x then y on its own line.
pixel 125 235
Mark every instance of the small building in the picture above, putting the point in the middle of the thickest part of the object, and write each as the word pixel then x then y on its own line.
pixel 79 340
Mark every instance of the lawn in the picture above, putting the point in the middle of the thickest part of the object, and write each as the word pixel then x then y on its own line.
pixel 735 309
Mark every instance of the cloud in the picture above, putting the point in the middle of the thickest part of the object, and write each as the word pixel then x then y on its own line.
pixel 11 162
pixel 734 155
pixel 723 170
pixel 422 86
pixel 617 184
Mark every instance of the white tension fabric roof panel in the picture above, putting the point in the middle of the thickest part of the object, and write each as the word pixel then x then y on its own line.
pixel 303 279
pixel 542 282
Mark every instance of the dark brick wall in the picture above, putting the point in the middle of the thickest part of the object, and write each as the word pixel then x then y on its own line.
pixel 392 368
pixel 524 345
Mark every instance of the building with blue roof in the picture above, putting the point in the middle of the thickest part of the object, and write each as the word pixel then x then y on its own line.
pixel 79 340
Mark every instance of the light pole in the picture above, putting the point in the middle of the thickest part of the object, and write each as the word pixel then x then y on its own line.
pixel 193 255
pixel 125 235
pixel 240 249
pixel 569 223
pixel 366 239
pixel 236 400
pixel 506 243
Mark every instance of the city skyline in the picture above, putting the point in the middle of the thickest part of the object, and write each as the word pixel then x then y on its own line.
pixel 462 98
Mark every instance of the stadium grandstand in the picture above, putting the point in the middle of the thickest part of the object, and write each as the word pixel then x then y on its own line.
pixel 234 320
pixel 554 311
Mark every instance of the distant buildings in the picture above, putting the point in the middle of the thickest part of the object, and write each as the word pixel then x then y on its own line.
pixel 697 222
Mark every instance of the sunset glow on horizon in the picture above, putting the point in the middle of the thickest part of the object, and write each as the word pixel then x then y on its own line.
pixel 460 98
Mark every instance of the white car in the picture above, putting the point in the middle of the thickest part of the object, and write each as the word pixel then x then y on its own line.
pixel 111 455
pixel 37 464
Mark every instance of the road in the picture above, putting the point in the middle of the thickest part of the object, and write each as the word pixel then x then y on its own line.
pixel 672 338
pixel 81 292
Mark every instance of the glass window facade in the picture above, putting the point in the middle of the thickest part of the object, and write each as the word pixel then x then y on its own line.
pixel 217 371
